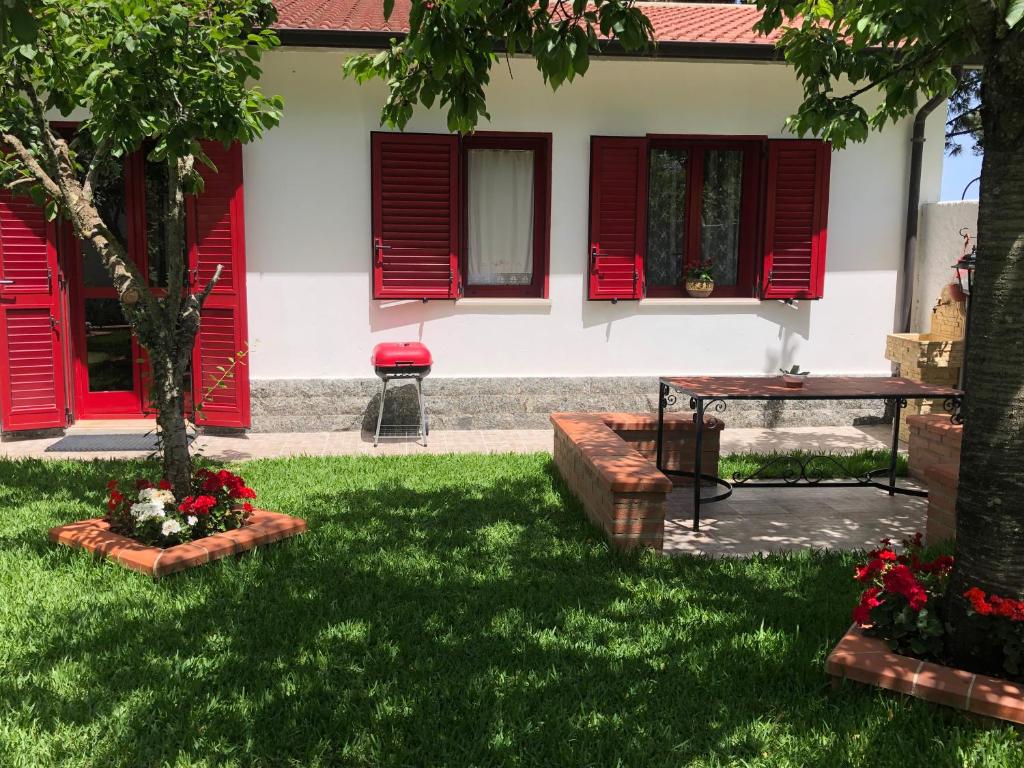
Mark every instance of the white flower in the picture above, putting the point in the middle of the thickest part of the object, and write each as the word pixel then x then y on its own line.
pixel 170 527
pixel 145 510
pixel 191 519
pixel 156 496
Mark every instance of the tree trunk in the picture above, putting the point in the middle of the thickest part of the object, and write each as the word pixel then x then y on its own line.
pixel 168 397
pixel 990 522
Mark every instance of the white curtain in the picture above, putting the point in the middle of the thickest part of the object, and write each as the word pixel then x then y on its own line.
pixel 500 248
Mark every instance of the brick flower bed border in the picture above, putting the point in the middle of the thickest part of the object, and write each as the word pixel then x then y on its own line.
pixel 94 535
pixel 869 660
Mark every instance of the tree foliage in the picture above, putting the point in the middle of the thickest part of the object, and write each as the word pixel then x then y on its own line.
pixel 452 45
pixel 156 76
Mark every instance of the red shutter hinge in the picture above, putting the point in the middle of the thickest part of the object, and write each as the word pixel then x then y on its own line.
pixel 54 324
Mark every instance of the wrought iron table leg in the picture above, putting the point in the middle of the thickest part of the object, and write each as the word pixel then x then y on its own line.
pixel 380 413
pixel 662 398
pixel 899 404
pixel 698 450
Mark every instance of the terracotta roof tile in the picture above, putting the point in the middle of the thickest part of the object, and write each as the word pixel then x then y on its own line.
pixel 673 22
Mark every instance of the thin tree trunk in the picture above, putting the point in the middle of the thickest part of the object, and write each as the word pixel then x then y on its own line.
pixel 990 505
pixel 169 399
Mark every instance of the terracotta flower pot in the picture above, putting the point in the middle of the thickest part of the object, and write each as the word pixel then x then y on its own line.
pixel 794 380
pixel 699 289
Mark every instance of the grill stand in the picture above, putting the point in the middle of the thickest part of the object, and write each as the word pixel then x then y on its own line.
pixel 400 431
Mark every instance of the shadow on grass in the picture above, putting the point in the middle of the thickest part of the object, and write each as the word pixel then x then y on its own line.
pixel 448 610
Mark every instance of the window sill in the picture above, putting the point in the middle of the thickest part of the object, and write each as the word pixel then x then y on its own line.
pixel 732 301
pixel 503 302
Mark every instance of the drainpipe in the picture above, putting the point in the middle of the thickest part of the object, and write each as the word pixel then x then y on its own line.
pixel 913 203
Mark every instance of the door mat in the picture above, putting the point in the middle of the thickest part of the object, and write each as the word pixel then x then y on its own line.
pixel 105 443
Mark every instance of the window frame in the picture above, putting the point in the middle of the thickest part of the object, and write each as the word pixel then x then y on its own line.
pixel 540 145
pixel 751 205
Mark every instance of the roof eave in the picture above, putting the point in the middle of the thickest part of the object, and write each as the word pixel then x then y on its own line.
pixel 669 49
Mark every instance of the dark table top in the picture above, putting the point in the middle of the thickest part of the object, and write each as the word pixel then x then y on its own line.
pixel 814 388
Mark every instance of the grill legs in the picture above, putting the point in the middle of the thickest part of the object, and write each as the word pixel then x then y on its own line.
pixel 420 430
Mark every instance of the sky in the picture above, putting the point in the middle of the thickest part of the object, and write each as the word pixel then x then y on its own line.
pixel 958 171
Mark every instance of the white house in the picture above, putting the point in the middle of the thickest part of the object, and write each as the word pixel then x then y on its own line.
pixel 541 259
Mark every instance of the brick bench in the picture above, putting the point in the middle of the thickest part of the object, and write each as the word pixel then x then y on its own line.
pixel 607 460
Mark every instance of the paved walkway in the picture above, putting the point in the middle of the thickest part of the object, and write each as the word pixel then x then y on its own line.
pixel 269 445
pixel 751 521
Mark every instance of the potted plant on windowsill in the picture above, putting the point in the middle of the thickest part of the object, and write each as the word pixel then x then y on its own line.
pixel 794 377
pixel 700 280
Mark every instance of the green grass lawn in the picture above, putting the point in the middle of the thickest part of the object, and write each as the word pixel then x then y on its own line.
pixel 451 610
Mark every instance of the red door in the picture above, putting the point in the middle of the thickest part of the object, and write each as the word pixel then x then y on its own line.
pixel 32 332
pixel 108 361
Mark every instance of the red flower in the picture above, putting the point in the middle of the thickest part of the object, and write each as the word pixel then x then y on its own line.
pixel 887 554
pixel 869 600
pixel 142 483
pixel 199 505
pixel 247 507
pixel 164 485
pixel 901 581
pixel 941 565
pixel 977 600
pixel 112 485
pixel 869 571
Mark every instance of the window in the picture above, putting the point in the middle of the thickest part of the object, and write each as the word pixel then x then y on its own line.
pixel 460 218
pixel 750 207
pixel 701 208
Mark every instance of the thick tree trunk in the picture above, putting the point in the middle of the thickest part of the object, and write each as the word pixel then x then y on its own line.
pixel 990 506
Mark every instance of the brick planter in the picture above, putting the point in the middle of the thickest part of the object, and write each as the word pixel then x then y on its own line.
pixel 869 660
pixel 607 460
pixel 934 440
pixel 94 535
pixel 935 460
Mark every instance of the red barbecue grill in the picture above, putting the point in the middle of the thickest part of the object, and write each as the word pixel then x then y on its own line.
pixel 401 360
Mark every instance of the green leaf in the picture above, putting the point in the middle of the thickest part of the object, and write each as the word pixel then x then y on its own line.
pixel 1014 13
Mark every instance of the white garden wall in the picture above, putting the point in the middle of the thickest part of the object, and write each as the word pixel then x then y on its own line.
pixel 939 246
pixel 307 197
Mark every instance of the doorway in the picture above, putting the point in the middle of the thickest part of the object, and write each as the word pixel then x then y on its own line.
pixel 107 360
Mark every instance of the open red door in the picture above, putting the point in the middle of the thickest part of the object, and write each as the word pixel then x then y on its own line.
pixel 32 392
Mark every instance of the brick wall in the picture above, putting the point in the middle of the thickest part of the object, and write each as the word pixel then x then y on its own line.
pixel 621 490
pixel 935 460
pixel 934 440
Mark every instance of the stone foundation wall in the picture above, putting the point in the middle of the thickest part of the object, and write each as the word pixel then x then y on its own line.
pixel 329 405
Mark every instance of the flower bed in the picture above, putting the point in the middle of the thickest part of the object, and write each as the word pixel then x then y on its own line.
pixel 156 534
pixel 898 640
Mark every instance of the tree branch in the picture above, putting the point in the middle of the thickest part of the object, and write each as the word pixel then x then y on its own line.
pixel 904 64
pixel 49 141
pixel 32 164
pixel 984 16
pixel 94 165
pixel 204 294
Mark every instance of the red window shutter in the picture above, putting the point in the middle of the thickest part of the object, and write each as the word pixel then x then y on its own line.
pixel 32 393
pixel 415 216
pixel 618 217
pixel 796 219
pixel 217 236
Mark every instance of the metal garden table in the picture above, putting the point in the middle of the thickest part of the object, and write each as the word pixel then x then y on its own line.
pixel 710 393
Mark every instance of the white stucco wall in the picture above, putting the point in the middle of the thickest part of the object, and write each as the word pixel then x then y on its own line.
pixel 939 246
pixel 307 197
